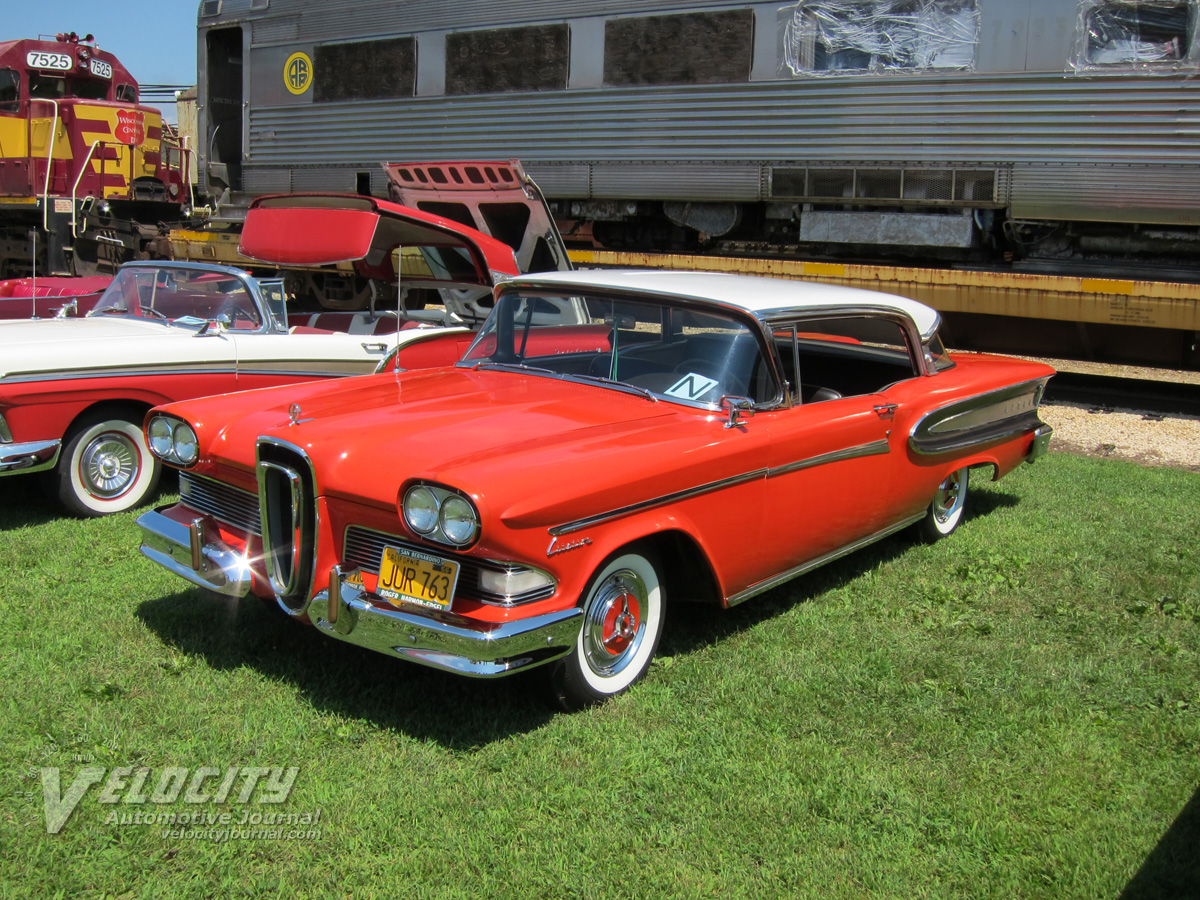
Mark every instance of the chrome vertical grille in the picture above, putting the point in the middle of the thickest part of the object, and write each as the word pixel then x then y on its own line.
pixel 287 506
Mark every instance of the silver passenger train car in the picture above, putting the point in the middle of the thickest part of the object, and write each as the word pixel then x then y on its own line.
pixel 943 129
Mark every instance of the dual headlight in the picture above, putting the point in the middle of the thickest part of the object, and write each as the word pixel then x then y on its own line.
pixel 172 440
pixel 440 515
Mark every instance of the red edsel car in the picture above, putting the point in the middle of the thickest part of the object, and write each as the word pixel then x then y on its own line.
pixel 611 441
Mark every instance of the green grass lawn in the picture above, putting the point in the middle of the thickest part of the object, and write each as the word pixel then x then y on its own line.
pixel 1013 712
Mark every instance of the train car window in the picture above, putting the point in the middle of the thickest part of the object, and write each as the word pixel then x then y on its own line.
pixel 503 60
pixel 1123 33
pixel 126 93
pixel 47 87
pixel 10 89
pixel 689 48
pixel 365 70
pixel 839 36
pixel 87 89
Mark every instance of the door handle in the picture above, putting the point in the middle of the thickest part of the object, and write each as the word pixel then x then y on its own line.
pixel 885 410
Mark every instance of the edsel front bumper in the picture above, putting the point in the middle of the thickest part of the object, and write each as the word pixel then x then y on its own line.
pixel 441 640
pixel 36 456
pixel 444 641
pixel 187 550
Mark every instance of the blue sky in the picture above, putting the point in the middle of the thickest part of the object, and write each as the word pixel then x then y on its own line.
pixel 155 40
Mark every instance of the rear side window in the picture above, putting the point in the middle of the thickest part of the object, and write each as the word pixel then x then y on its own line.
pixel 845 356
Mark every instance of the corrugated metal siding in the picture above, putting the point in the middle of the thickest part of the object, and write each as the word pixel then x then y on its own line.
pixel 1150 193
pixel 971 120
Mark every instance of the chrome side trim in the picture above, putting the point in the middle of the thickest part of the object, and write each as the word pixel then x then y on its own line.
pixel 123 372
pixel 36 456
pixel 874 448
pixel 184 550
pixel 776 580
pixel 985 418
pixel 442 640
pixel 580 524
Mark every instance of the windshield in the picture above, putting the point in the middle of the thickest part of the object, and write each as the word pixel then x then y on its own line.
pixel 669 350
pixel 185 297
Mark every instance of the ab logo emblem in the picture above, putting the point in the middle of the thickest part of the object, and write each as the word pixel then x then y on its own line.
pixel 298 73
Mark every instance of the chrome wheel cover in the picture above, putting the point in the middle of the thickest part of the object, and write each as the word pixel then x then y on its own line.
pixel 614 623
pixel 108 465
pixel 949 498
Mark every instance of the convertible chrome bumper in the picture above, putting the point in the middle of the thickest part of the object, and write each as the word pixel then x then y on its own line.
pixel 36 456
pixel 443 641
pixel 187 551
pixel 1041 443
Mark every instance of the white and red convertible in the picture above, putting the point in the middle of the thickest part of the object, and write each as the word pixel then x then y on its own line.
pixel 74 391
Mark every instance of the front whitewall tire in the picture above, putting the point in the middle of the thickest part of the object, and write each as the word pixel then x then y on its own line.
pixel 105 467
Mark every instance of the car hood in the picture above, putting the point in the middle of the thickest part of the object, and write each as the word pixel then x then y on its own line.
pixel 528 448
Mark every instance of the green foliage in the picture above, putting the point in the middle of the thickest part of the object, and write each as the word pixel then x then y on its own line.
pixel 1012 712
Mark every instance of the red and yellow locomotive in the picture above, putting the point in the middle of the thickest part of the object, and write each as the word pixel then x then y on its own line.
pixel 86 171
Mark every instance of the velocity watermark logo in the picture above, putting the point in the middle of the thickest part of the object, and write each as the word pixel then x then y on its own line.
pixel 248 786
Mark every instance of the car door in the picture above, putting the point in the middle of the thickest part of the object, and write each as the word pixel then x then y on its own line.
pixel 829 483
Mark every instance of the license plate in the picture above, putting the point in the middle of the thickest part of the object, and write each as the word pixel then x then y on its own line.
pixel 408 576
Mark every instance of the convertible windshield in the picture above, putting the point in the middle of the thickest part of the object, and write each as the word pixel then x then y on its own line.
pixel 180 296
pixel 670 350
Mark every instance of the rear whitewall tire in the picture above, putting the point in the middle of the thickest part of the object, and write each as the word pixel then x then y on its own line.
pixel 946 510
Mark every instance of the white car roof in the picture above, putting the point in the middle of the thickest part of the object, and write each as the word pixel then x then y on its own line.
pixel 758 295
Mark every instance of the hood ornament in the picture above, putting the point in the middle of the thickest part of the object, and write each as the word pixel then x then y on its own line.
pixel 294 414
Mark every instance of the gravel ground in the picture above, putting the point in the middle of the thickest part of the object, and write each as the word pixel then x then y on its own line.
pixel 1121 433
pixel 1143 437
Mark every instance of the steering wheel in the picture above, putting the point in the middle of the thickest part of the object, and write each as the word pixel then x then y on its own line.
pixel 236 312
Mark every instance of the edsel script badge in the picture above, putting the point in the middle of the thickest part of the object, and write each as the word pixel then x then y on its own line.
pixel 556 548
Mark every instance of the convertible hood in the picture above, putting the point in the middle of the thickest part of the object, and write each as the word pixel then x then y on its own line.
pixel 60 345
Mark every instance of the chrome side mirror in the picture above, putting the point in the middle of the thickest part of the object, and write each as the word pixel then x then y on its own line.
pixel 737 407
pixel 214 327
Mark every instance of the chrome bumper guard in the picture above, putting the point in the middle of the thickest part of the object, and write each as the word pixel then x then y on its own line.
pixel 36 456
pixel 184 550
pixel 1041 443
pixel 443 641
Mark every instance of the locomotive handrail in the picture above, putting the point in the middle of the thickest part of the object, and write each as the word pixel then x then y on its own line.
pixel 75 186
pixel 49 159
